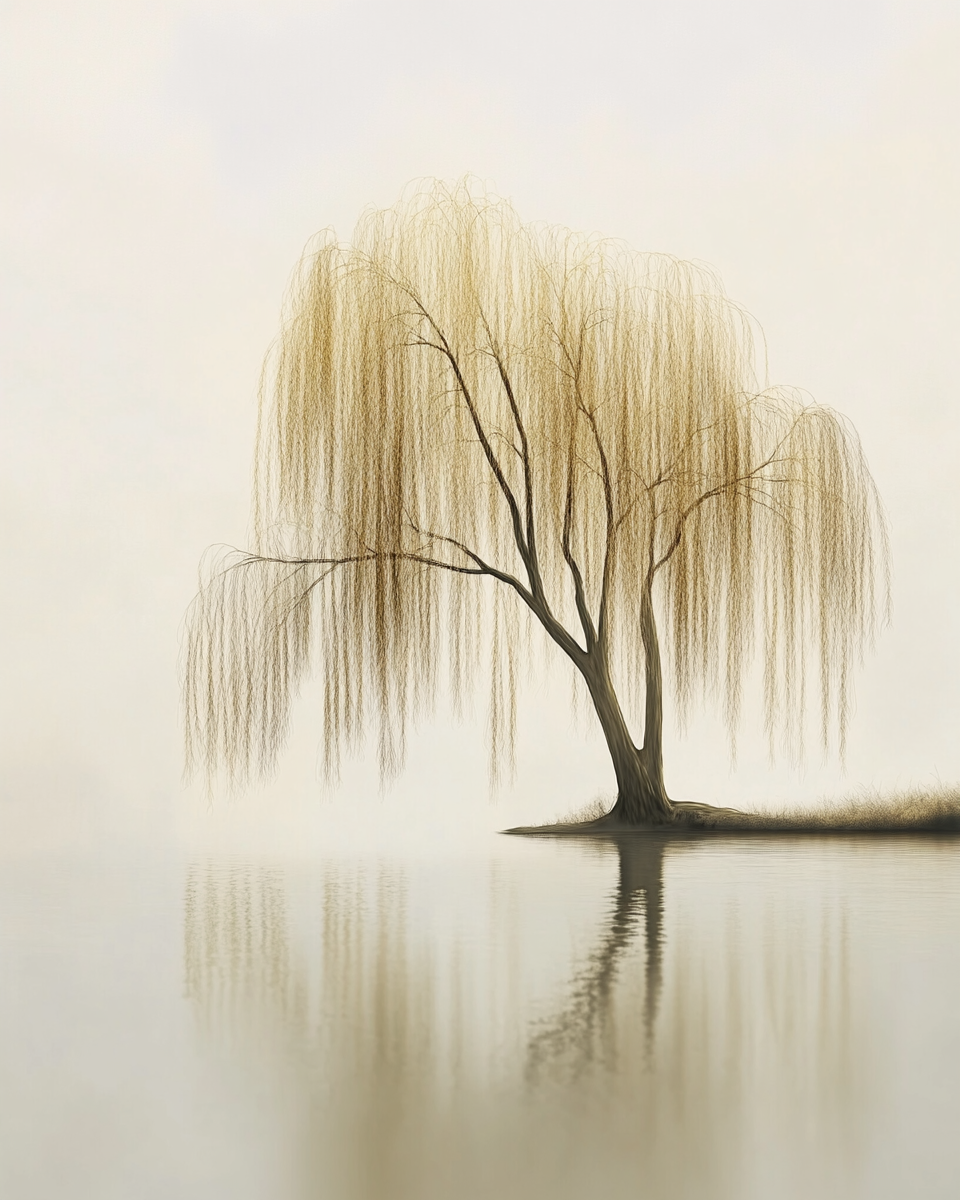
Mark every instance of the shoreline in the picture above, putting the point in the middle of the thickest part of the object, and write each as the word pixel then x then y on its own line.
pixel 910 815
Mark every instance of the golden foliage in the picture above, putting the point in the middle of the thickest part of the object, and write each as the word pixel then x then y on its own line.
pixel 456 393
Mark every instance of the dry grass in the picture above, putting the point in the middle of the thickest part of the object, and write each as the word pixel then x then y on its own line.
pixel 912 809
pixel 593 810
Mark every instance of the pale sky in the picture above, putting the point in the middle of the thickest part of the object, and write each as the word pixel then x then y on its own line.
pixel 165 163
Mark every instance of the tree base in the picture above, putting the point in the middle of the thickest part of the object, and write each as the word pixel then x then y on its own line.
pixel 642 799
pixel 670 814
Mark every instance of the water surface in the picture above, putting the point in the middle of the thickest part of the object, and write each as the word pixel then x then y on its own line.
pixel 766 1017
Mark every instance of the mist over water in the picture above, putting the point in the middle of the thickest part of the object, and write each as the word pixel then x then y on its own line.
pixel 642 1017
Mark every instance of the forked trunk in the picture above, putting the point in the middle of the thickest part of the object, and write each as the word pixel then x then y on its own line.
pixel 641 796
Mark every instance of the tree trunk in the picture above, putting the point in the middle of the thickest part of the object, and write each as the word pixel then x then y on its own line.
pixel 641 796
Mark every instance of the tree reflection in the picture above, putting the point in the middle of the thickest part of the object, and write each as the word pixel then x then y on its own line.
pixel 582 1026
pixel 707 1017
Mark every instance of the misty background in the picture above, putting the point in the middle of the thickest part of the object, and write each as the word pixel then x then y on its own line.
pixel 166 162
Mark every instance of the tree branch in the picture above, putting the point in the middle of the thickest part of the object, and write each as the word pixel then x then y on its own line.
pixel 742 481
pixel 537 603
pixel 611 525
pixel 525 450
pixel 586 621
pixel 445 349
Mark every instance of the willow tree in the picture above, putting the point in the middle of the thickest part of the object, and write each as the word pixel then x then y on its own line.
pixel 466 418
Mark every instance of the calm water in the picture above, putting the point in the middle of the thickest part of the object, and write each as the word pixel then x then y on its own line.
pixel 766 1018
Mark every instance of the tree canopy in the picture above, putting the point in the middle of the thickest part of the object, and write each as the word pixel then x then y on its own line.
pixel 457 394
